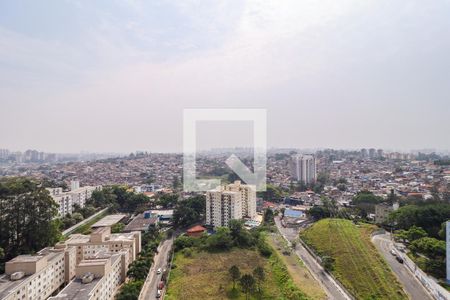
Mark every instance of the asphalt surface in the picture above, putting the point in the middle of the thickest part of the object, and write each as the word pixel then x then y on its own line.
pixel 150 287
pixel 333 290
pixel 411 285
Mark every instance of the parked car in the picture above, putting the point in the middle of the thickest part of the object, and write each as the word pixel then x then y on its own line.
pixel 158 294
pixel 158 271
pixel 161 285
pixel 399 259
pixel 393 252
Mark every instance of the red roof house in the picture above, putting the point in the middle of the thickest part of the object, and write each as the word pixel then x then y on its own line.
pixel 196 230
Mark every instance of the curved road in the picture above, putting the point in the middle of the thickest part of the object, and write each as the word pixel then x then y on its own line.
pixel 411 285
pixel 333 290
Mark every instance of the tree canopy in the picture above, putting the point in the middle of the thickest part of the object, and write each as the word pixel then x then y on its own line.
pixel 27 217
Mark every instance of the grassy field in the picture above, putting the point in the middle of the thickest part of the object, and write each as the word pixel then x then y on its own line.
pixel 358 266
pixel 205 276
pixel 297 270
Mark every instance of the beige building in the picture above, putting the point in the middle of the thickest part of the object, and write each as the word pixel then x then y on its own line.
pixel 382 212
pixel 97 278
pixel 98 261
pixel 248 197
pixel 222 206
pixel 36 277
pixel 101 240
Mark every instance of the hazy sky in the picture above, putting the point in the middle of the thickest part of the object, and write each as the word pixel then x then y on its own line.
pixel 116 75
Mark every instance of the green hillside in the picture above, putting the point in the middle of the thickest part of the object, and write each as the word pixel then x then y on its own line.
pixel 357 264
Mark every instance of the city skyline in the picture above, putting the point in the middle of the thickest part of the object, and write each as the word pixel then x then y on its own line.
pixel 83 76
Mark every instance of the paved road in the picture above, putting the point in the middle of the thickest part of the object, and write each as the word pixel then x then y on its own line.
pixel 410 283
pixel 150 288
pixel 67 231
pixel 333 290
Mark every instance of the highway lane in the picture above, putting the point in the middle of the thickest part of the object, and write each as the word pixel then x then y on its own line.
pixel 333 290
pixel 150 287
pixel 411 285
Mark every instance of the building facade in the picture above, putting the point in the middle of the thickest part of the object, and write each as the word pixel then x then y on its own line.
pixel 248 197
pixel 76 196
pixel 97 278
pixel 303 168
pixel 222 206
pixel 233 201
pixel 36 277
pixel 93 267
pixel 101 240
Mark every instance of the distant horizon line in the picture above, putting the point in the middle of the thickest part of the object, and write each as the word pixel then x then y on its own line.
pixel 227 149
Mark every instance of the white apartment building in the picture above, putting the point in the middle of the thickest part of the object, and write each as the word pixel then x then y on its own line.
pixel 303 168
pixel 248 197
pixel 222 206
pixel 36 277
pixel 77 195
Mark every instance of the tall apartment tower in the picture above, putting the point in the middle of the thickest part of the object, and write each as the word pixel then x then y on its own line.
pixel 232 201
pixel 222 206
pixel 248 197
pixel 304 168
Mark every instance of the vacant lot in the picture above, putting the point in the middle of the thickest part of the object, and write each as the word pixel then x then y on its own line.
pixel 205 275
pixel 297 270
pixel 358 266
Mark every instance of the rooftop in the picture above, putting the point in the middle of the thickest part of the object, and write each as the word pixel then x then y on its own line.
pixel 109 220
pixel 139 223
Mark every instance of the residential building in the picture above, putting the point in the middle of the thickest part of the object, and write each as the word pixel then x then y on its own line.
pixel 382 212
pixel 222 206
pixel 38 276
pixel 303 168
pixel 97 278
pixel 77 196
pixel 248 197
pixel 102 240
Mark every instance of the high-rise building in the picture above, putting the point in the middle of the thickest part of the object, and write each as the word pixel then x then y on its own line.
pixel 303 168
pixel 232 201
pixel 248 197
pixel 222 206
pixel 364 153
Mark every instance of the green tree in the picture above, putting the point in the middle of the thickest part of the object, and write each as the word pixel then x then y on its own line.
pixel 235 274
pixel 189 211
pixel 221 240
pixel 117 228
pixel 260 276
pixel 427 216
pixel 27 217
pixel 77 217
pixel 328 262
pixel 130 290
pixel 247 283
pixel 268 216
pixel 415 233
